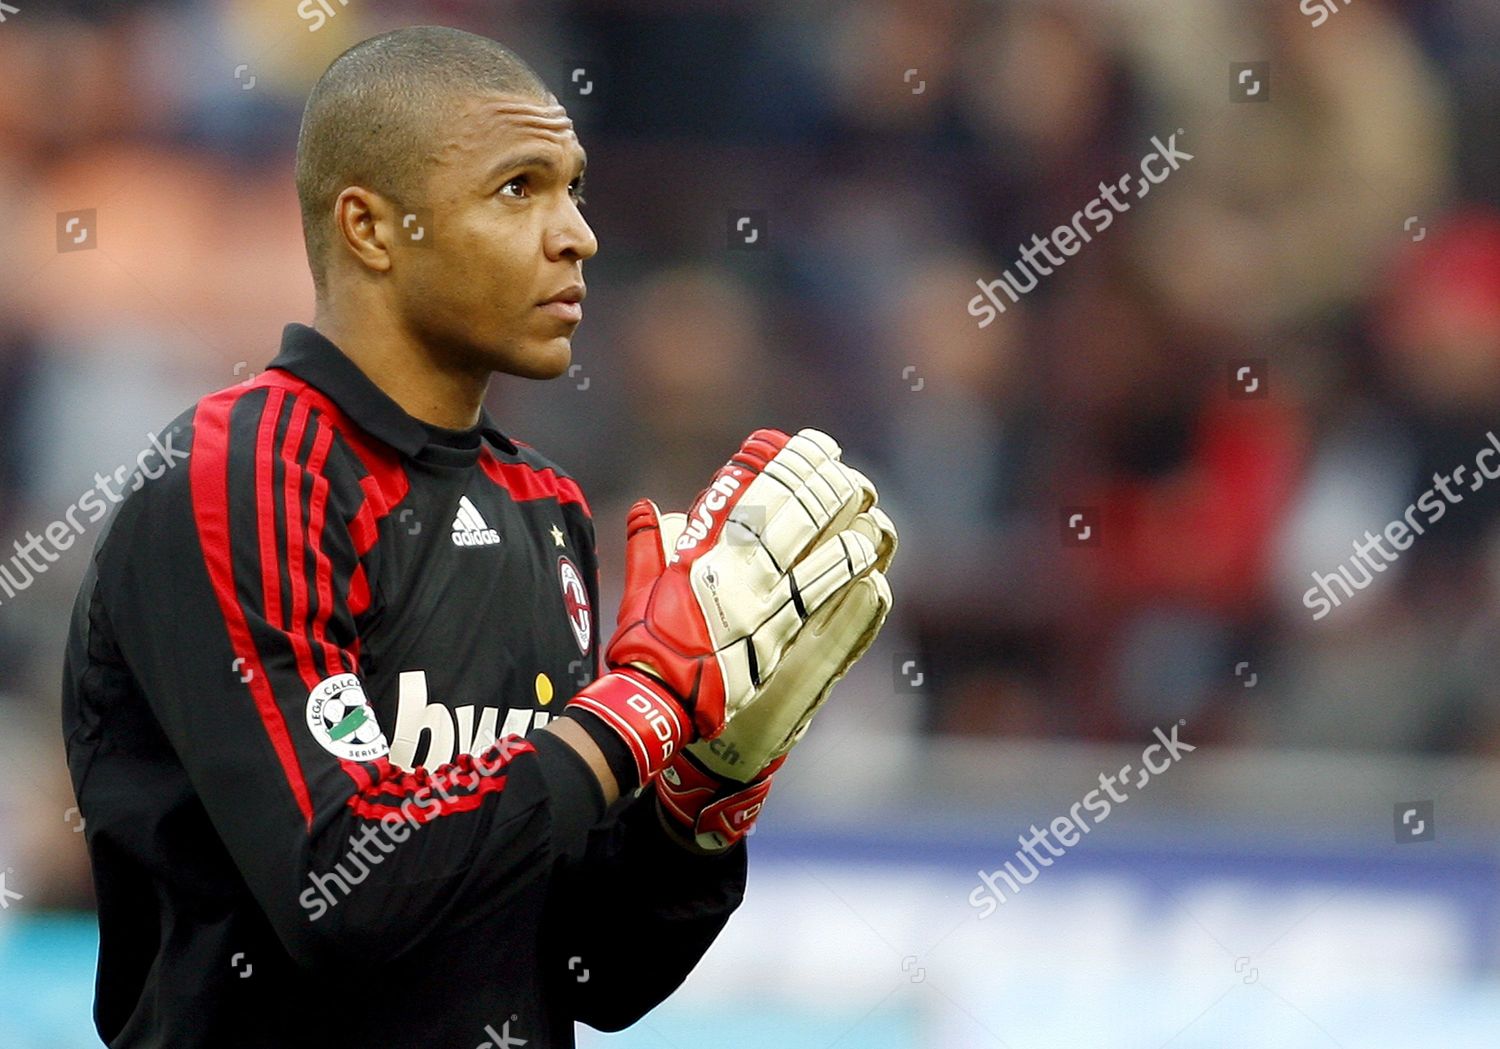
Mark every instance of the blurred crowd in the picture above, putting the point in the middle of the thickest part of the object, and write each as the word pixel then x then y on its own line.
pixel 1341 236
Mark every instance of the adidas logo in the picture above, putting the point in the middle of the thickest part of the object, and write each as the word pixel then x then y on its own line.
pixel 469 528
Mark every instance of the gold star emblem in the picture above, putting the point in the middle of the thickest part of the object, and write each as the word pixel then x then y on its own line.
pixel 557 535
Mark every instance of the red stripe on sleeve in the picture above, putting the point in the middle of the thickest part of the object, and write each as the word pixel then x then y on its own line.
pixel 306 400
pixel 304 637
pixel 323 568
pixel 385 482
pixel 265 509
pixel 209 485
pixel 296 541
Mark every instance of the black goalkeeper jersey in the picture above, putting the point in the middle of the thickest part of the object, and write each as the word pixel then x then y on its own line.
pixel 302 680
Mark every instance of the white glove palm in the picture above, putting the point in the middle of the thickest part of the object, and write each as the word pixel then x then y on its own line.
pixel 778 714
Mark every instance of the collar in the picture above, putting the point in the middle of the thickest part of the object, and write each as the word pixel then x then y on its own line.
pixel 310 355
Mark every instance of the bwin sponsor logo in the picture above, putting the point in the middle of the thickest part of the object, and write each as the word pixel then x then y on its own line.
pixel 449 732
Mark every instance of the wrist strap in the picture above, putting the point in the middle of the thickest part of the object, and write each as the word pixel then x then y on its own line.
pixel 717 812
pixel 641 712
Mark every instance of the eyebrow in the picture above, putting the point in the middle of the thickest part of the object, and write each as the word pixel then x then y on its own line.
pixel 536 160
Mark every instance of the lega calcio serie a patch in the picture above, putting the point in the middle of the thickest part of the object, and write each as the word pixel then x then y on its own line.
pixel 342 720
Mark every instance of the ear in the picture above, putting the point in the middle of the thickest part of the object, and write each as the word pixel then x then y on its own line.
pixel 365 222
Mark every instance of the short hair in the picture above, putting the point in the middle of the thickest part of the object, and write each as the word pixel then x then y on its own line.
pixel 372 117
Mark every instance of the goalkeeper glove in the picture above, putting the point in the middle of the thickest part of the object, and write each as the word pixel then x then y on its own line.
pixel 714 789
pixel 697 636
pixel 831 642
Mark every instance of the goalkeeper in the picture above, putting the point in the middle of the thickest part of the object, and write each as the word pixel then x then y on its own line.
pixel 333 707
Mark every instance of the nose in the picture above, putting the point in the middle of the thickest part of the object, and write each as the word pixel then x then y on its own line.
pixel 571 238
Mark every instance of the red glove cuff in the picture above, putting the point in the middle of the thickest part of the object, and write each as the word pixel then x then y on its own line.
pixel 644 714
pixel 717 812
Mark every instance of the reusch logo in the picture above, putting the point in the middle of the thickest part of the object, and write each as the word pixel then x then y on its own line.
pixel 702 521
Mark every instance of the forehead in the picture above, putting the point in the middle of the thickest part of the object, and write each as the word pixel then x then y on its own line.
pixel 484 128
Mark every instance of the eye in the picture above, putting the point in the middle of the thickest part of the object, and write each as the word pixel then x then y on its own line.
pixel 576 189
pixel 519 180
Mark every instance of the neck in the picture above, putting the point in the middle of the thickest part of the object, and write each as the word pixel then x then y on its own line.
pixel 407 372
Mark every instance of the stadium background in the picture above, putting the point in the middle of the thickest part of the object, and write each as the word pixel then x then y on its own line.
pixel 1338 231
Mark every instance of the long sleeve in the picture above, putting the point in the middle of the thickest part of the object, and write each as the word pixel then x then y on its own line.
pixel 627 923
pixel 236 590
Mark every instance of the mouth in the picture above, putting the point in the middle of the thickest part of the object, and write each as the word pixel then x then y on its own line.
pixel 566 305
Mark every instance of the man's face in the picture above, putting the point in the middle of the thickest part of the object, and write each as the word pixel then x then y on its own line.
pixel 506 237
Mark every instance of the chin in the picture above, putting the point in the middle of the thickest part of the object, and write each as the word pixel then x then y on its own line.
pixel 543 360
